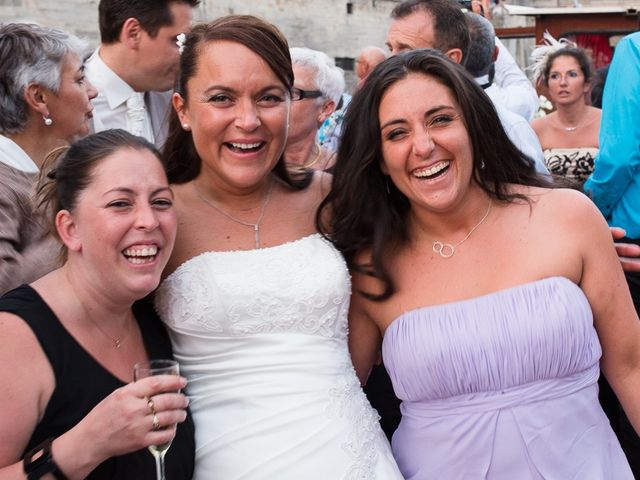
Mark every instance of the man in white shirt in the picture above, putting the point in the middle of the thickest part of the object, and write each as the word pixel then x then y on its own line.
pixel 480 61
pixel 135 66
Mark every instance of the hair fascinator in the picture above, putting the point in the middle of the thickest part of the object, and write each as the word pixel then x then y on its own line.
pixel 540 54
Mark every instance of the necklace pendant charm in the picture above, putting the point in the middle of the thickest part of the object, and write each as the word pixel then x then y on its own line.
pixel 445 250
pixel 116 343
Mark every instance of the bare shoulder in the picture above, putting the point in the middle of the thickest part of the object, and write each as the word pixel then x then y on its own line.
pixel 27 378
pixel 566 210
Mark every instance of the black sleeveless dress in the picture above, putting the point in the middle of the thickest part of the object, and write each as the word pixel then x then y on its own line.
pixel 81 383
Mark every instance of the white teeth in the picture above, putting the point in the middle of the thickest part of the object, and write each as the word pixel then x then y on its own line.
pixel 143 252
pixel 429 172
pixel 246 146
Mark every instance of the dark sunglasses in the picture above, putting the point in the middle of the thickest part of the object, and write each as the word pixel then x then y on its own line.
pixel 297 94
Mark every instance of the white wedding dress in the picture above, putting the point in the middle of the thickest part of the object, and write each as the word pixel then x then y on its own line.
pixel 262 337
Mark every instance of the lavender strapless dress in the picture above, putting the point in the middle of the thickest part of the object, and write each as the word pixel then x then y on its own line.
pixel 502 387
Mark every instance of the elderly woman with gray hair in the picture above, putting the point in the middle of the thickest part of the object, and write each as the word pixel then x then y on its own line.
pixel 317 88
pixel 45 102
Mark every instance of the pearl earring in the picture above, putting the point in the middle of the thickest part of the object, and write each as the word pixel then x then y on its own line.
pixel 186 127
pixel 47 121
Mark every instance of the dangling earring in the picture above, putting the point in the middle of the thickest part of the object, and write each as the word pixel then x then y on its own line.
pixel 386 182
pixel 47 120
pixel 482 165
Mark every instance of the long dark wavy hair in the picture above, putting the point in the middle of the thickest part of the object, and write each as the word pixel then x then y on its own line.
pixel 365 211
pixel 179 153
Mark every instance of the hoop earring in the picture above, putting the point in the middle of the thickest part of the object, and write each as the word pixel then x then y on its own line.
pixel 47 120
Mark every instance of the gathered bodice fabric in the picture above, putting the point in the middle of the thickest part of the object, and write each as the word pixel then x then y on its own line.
pixel 262 337
pixel 572 163
pixel 502 386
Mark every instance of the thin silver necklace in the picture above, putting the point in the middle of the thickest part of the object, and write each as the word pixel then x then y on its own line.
pixel 255 226
pixel 446 250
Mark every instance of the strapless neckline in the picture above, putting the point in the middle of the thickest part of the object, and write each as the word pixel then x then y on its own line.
pixel 502 291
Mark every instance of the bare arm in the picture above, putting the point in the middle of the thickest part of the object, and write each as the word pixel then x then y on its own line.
pixel 121 423
pixel 615 318
pixel 364 335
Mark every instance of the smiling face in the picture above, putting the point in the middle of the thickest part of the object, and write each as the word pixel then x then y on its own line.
pixel 566 81
pixel 237 110
pixel 425 145
pixel 70 109
pixel 124 225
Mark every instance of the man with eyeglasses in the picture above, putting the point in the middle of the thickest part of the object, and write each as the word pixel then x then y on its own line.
pixel 317 87
pixel 136 64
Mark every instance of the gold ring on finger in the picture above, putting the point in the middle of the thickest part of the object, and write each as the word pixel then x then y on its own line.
pixel 156 423
pixel 150 404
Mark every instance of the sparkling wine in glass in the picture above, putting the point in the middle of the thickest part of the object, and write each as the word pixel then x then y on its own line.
pixel 148 369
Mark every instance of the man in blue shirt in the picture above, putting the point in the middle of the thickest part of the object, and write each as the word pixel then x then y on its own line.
pixel 614 185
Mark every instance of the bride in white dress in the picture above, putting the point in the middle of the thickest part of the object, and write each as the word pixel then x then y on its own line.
pixel 255 300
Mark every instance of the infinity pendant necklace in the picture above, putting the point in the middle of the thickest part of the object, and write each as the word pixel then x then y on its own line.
pixel 446 250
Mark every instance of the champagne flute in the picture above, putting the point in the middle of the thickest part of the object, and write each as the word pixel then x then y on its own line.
pixel 148 369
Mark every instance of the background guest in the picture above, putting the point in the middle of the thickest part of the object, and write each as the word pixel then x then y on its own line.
pixel 568 135
pixel 317 87
pixel 136 64
pixel 368 58
pixel 615 182
pixel 497 373
pixel 480 61
pixel 45 100
pixel 435 24
pixel 71 338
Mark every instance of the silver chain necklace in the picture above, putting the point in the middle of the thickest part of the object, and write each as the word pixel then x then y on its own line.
pixel 446 250
pixel 255 226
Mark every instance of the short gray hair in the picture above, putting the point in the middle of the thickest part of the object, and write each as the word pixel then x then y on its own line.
pixel 30 54
pixel 328 77
pixel 483 44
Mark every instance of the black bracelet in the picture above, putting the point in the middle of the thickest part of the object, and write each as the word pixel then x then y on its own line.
pixel 43 464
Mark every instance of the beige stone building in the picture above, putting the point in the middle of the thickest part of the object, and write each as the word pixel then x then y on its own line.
pixel 338 27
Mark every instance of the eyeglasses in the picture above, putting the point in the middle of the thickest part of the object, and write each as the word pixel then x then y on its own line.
pixel 297 94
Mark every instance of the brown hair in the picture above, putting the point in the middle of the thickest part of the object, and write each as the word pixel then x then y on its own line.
pixel 179 153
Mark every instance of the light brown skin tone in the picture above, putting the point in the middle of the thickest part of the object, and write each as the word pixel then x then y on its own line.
pixel 69 109
pixel 119 210
pixel 306 116
pixel 148 63
pixel 449 206
pixel 367 60
pixel 417 31
pixel 224 106
pixel 566 89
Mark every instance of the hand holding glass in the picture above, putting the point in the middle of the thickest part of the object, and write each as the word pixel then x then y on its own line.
pixel 148 369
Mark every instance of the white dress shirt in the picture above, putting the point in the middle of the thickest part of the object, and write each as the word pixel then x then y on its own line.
pixel 512 87
pixel 110 106
pixel 13 155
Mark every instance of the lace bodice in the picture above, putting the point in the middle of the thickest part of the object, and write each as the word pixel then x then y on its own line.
pixel 281 296
pixel 262 337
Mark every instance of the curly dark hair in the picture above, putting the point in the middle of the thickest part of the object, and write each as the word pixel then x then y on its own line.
pixel 367 212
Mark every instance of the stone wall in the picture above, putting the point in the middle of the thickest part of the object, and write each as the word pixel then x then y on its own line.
pixel 338 27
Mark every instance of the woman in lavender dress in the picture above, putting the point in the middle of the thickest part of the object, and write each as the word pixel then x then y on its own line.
pixel 494 306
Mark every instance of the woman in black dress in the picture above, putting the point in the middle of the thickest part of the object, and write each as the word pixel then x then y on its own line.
pixel 71 338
